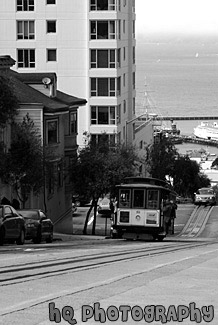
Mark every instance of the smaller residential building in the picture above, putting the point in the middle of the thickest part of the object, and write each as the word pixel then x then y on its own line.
pixel 55 116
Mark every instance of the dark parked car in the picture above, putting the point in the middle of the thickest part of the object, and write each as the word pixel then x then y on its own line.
pixel 38 226
pixel 12 225
pixel 80 200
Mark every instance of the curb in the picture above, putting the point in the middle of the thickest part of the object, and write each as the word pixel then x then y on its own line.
pixel 68 237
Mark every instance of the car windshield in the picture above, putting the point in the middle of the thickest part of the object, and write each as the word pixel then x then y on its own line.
pixel 29 214
pixel 105 202
pixel 205 191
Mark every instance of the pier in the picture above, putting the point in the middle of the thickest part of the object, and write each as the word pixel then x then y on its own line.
pixel 192 139
pixel 185 118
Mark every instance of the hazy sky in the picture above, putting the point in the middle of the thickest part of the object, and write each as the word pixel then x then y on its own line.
pixel 186 16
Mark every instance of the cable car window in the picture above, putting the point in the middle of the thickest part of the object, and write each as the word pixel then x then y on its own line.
pixel 152 199
pixel 124 200
pixel 138 198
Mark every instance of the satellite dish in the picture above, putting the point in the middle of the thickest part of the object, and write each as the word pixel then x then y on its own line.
pixel 46 81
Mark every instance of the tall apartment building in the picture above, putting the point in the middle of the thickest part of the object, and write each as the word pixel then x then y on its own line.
pixel 90 44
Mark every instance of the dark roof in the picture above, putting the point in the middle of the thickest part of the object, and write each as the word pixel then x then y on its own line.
pixel 36 77
pixel 68 99
pixel 6 61
pixel 28 95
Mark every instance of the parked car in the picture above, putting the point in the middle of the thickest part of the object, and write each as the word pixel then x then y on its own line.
pixel 12 225
pixel 74 207
pixel 81 200
pixel 38 226
pixel 104 206
pixel 205 196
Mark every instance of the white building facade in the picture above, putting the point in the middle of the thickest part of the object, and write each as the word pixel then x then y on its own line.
pixel 89 44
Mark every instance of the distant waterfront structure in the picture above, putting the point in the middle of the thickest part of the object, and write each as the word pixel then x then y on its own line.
pixel 89 44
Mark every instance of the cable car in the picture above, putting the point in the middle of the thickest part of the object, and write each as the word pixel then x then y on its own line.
pixel 139 209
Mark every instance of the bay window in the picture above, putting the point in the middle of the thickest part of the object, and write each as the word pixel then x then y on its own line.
pixel 104 29
pixel 103 115
pixel 100 58
pixel 105 87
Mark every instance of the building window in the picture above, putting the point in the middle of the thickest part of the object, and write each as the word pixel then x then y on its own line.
pixel 119 29
pixel 25 29
pixel 119 5
pixel 105 59
pixel 105 87
pixel 51 55
pixel 118 86
pixel 52 131
pixel 124 3
pixel 133 105
pixel 104 5
pixel 124 132
pixel 133 80
pixel 73 122
pixel 26 58
pixel 133 55
pixel 108 137
pixel 124 54
pixel 133 29
pixel 103 115
pixel 124 26
pixel 119 137
pixel 133 131
pixel 51 2
pixel 51 26
pixel 25 5
pixel 124 106
pixel 119 114
pixel 124 80
pixel 133 5
pixel 103 29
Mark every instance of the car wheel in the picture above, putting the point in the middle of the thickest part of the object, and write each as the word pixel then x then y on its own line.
pixel 21 239
pixel 38 238
pixel 49 239
pixel 2 236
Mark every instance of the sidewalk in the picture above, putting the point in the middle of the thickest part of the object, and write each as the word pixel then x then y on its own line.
pixel 68 237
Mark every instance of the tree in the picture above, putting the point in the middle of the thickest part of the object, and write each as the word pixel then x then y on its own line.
pixel 8 101
pixel 98 169
pixel 164 160
pixel 23 165
pixel 187 177
pixel 215 163
pixel 161 157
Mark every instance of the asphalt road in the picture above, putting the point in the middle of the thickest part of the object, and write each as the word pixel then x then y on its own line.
pixel 71 280
pixel 75 224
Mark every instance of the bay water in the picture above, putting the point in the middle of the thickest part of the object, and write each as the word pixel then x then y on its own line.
pixel 178 77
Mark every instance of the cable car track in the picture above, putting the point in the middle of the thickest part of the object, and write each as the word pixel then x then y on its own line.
pixel 196 222
pixel 10 275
